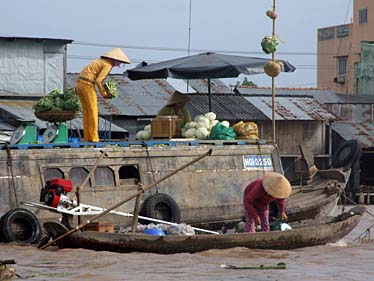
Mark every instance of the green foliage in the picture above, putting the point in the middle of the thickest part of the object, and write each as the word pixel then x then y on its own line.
pixel 59 101
pixel 245 82
pixel 111 87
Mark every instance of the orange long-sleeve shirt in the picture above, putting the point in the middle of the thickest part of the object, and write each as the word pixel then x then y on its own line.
pixel 97 71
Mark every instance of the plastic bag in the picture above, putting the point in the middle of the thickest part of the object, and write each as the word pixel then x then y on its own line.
pixel 246 130
pixel 221 132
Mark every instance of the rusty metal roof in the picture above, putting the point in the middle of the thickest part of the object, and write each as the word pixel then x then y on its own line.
pixel 356 99
pixel 226 107
pixel 22 110
pixel 6 127
pixel 216 86
pixel 363 133
pixel 136 98
pixel 291 108
pixel 321 95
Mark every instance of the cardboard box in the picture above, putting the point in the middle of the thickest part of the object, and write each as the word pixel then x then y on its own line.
pixel 166 127
pixel 100 226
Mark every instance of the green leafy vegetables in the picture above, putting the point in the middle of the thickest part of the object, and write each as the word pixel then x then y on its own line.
pixel 59 101
pixel 111 87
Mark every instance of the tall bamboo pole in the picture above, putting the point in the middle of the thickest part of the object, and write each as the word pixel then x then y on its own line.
pixel 273 84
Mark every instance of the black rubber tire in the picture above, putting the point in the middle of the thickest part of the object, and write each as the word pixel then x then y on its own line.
pixel 21 226
pixel 160 206
pixel 346 154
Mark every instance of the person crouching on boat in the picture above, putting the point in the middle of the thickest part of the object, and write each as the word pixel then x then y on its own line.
pixel 176 105
pixel 94 74
pixel 259 194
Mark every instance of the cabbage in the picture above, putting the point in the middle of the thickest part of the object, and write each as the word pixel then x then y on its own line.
pixel 210 116
pixel 190 133
pixel 198 118
pixel 146 135
pixel 111 88
pixel 201 133
pixel 58 101
pixel 148 128
pixel 184 132
pixel 191 124
pixel 139 135
pixel 204 123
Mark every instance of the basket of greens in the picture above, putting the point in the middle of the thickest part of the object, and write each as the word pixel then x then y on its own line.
pixel 58 106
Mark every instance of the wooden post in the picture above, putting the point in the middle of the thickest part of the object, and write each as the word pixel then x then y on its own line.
pixel 80 188
pixel 126 200
pixel 136 208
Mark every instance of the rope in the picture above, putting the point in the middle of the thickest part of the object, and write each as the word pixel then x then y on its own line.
pixel 150 165
pixel 10 168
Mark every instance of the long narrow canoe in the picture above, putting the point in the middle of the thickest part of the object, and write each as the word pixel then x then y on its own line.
pixel 305 234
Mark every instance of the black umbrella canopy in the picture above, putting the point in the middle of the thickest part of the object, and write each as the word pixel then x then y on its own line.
pixel 204 66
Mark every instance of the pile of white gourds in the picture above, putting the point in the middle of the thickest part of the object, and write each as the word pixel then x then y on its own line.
pixel 201 126
pixel 144 134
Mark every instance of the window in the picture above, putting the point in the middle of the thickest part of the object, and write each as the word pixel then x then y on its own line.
pixel 342 31
pixel 326 33
pixel 104 176
pixel 53 173
pixel 129 174
pixel 342 66
pixel 78 175
pixel 363 15
pixel 309 131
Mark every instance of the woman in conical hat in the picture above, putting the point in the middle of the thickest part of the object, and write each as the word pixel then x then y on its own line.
pixel 259 194
pixel 176 105
pixel 93 75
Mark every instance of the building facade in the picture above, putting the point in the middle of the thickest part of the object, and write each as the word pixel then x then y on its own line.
pixel 345 54
pixel 32 66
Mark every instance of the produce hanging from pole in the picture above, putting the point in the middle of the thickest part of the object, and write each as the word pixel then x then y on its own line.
pixel 272 68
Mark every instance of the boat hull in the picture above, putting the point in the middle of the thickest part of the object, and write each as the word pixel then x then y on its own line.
pixel 307 234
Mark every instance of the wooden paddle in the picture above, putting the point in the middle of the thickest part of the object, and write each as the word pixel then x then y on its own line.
pixel 126 200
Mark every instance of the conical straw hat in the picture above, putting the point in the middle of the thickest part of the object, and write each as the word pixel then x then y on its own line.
pixel 178 97
pixel 276 185
pixel 116 54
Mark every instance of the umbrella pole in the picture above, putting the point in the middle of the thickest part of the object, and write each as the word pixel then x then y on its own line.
pixel 210 96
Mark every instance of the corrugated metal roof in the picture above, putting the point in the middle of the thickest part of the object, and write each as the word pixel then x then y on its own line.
pixel 136 98
pixel 321 95
pixel 22 110
pixel 6 127
pixel 226 107
pixel 363 133
pixel 216 86
pixel 290 108
pixel 12 38
pixel 356 99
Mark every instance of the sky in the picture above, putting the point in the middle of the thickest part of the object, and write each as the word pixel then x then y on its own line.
pixel 156 30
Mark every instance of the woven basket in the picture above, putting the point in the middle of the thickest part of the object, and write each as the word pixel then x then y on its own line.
pixel 57 116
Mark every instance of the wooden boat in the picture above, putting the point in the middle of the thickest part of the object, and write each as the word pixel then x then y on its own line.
pixel 207 194
pixel 305 234
pixel 318 197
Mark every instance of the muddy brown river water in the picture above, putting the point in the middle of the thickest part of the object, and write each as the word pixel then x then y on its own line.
pixel 344 260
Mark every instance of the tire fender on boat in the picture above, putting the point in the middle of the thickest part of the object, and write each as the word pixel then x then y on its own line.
pixel 20 225
pixel 346 154
pixel 161 206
